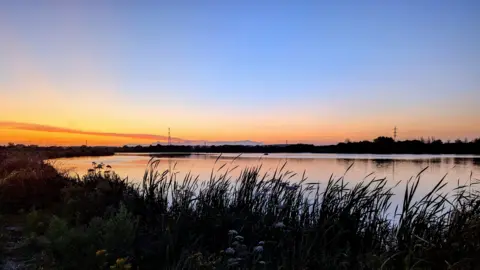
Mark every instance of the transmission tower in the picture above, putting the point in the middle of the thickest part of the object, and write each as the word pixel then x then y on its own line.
pixel 395 133
pixel 169 138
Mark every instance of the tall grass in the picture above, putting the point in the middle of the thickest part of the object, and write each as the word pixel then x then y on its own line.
pixel 260 221
pixel 306 225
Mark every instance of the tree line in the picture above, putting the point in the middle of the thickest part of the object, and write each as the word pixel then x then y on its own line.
pixel 380 145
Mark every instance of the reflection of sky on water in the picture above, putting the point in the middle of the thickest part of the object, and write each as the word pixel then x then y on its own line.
pixel 317 167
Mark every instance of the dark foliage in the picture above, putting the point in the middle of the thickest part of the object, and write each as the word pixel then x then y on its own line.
pixel 253 222
pixel 380 145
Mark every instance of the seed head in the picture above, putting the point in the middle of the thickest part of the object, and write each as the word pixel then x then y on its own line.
pixel 239 238
pixel 230 251
pixel 279 225
pixel 258 249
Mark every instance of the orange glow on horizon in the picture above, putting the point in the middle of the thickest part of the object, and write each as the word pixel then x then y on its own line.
pixel 48 135
pixel 91 79
pixel 63 139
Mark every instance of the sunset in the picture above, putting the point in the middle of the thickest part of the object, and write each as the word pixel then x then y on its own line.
pixel 317 73
pixel 239 135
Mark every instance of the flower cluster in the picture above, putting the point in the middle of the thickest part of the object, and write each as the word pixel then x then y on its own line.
pixel 99 167
pixel 120 263
pixel 238 253
pixel 101 252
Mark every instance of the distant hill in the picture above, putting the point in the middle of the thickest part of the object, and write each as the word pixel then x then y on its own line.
pixel 210 143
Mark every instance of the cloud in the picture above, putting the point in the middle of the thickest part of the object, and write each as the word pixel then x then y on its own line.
pixel 45 128
pixel 134 136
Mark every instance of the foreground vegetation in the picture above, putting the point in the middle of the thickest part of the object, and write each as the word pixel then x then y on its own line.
pixel 100 221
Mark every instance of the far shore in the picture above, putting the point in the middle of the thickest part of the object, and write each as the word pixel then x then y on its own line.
pixel 380 145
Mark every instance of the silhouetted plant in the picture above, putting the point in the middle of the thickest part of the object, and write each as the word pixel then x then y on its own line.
pixel 166 223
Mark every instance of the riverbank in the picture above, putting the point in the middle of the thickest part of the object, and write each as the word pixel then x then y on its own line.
pixel 51 152
pixel 380 145
pixel 100 221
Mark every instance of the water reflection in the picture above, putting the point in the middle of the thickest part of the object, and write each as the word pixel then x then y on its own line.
pixel 317 167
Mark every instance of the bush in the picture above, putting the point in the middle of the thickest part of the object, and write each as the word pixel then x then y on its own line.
pixel 76 247
pixel 26 182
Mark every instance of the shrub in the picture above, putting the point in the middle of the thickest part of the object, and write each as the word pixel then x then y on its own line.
pixel 26 181
pixel 76 247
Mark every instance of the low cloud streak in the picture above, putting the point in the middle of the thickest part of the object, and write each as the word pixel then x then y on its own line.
pixel 46 128
pixel 11 125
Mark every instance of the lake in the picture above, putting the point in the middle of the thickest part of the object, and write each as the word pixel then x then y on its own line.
pixel 317 167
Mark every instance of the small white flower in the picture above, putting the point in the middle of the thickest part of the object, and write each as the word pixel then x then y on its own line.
pixel 279 225
pixel 232 232
pixel 261 243
pixel 232 261
pixel 230 251
pixel 258 249
pixel 261 262
pixel 239 238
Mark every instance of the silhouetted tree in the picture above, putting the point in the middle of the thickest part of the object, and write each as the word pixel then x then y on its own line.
pixel 437 142
pixel 384 140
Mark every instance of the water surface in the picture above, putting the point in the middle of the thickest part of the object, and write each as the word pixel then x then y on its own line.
pixel 315 167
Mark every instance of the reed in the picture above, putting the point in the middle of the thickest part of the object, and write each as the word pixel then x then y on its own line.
pixel 267 221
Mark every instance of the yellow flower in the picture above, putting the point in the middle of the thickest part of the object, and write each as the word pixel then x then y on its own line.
pixel 100 252
pixel 120 261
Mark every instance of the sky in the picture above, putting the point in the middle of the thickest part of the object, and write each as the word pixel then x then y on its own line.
pixel 123 72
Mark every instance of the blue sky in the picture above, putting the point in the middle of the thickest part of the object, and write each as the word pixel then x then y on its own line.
pixel 314 71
